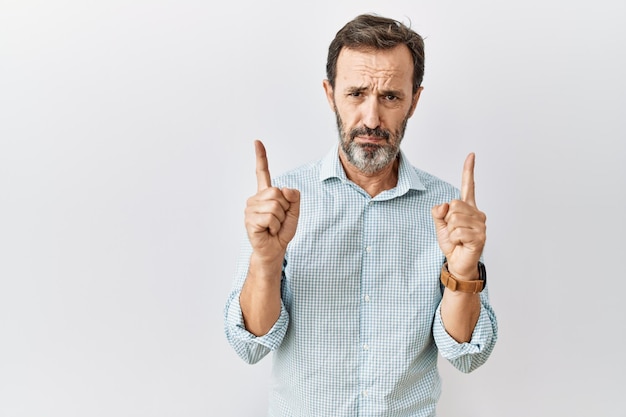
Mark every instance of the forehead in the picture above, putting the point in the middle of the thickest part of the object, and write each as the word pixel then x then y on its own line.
pixel 388 66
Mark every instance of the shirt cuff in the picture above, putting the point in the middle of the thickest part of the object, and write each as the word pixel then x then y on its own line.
pixel 450 348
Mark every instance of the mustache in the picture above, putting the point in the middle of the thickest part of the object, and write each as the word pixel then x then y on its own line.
pixel 366 131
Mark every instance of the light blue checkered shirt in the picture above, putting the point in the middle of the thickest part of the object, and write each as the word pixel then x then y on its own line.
pixel 360 326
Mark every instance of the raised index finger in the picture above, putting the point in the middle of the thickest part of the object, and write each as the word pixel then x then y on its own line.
pixel 263 179
pixel 467 181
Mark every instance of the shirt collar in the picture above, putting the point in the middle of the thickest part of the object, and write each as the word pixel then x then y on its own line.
pixel 407 177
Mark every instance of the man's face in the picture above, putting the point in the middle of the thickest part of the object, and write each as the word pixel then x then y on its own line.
pixel 372 100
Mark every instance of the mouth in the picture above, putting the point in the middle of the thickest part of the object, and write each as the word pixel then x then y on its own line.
pixel 369 140
pixel 367 136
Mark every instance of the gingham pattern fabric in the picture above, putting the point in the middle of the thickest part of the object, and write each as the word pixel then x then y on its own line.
pixel 360 327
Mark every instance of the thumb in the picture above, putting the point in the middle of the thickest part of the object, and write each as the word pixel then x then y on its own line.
pixel 439 213
pixel 293 196
pixel 290 224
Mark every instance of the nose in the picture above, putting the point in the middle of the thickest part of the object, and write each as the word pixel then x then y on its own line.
pixel 371 113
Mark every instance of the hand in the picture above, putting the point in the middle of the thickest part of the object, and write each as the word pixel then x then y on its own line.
pixel 271 215
pixel 461 228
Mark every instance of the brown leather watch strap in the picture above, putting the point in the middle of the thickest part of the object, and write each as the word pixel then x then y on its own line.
pixel 472 287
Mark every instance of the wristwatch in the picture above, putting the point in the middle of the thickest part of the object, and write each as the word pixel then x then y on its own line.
pixel 473 287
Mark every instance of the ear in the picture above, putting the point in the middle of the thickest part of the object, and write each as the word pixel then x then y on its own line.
pixel 330 94
pixel 416 98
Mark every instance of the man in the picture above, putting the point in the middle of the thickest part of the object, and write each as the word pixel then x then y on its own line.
pixel 359 268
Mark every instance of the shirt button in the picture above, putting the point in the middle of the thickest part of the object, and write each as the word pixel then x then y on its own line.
pixel 368 249
pixel 367 298
pixel 366 346
pixel 365 393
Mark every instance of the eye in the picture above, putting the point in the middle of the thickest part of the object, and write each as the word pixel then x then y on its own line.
pixel 355 94
pixel 391 97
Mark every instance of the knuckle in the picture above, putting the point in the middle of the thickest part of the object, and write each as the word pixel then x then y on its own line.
pixel 454 204
pixel 276 207
pixel 273 192
pixel 452 221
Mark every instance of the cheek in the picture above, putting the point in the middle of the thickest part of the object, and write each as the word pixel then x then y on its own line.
pixel 349 116
pixel 397 119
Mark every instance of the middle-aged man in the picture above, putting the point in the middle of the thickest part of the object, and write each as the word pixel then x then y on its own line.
pixel 359 268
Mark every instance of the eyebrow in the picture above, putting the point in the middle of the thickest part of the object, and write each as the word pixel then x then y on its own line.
pixel 361 89
pixel 356 89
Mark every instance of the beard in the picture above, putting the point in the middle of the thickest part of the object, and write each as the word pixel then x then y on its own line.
pixel 370 158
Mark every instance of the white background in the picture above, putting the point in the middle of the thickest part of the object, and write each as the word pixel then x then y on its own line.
pixel 126 157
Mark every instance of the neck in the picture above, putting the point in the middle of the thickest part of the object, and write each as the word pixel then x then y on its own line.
pixel 375 183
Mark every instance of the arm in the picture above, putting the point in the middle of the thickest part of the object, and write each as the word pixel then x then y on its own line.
pixel 250 347
pixel 460 309
pixel 260 296
pixel 461 232
pixel 467 356
pixel 271 218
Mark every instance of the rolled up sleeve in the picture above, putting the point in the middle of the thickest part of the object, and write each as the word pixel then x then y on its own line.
pixel 249 347
pixel 468 356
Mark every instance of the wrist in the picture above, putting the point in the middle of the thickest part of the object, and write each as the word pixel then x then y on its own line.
pixel 463 274
pixel 458 284
pixel 265 268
